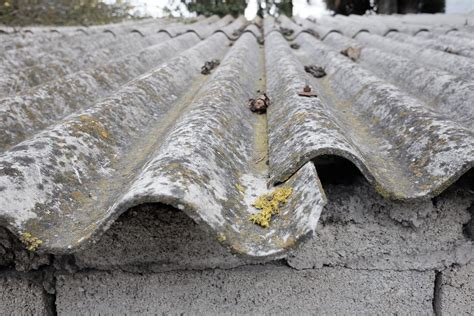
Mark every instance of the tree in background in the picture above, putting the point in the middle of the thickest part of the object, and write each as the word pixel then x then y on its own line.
pixel 275 7
pixel 61 12
pixel 410 6
pixel 347 7
pixel 219 7
pixel 237 7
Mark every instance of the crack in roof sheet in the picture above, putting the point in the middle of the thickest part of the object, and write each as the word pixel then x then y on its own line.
pixel 81 144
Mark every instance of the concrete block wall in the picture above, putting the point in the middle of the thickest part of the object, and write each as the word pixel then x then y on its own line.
pixel 456 291
pixel 369 256
pixel 264 289
pixel 22 295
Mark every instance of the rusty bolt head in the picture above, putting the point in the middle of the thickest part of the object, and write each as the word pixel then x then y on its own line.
pixel 260 104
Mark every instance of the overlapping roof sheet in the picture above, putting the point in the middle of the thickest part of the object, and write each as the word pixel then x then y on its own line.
pixel 96 120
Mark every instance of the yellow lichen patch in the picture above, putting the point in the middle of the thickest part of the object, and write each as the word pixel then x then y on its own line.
pixel 270 204
pixel 89 124
pixel 221 237
pixel 32 243
pixel 240 188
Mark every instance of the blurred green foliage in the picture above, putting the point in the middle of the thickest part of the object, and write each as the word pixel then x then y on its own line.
pixel 347 7
pixel 219 7
pixel 237 7
pixel 61 12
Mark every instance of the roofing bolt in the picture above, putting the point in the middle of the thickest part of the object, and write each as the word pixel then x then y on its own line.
pixel 209 65
pixel 295 46
pixel 307 92
pixel 352 52
pixel 315 71
pixel 286 31
pixel 260 104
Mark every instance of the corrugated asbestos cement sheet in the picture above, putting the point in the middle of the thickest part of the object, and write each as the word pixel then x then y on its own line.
pixel 97 120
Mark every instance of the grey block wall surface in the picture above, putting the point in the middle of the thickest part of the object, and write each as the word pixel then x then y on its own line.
pixel 20 296
pixel 361 230
pixel 266 289
pixel 457 291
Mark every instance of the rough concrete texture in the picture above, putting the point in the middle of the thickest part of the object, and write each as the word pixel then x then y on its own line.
pixel 456 291
pixel 156 237
pixel 360 229
pixel 14 255
pixel 20 296
pixel 247 290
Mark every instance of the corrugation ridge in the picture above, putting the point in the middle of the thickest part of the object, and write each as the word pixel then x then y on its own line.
pixel 297 28
pixel 205 32
pixel 138 32
pixel 348 27
pixel 76 165
pixel 434 19
pixel 233 30
pixel 122 29
pixel 72 37
pixel 206 186
pixel 276 25
pixel 95 31
pixel 406 162
pixel 202 29
pixel 461 34
pixel 322 30
pixel 458 65
pixel 443 92
pixel 388 24
pixel 463 47
pixel 378 27
pixel 27 56
pixel 255 30
pixel 26 113
pixel 433 44
pixel 95 138
pixel 290 115
pixel 18 45
pixel 23 78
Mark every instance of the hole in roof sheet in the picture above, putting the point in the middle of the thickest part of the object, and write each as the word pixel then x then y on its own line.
pixel 336 170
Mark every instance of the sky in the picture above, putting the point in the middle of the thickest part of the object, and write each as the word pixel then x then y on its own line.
pixel 459 6
pixel 301 8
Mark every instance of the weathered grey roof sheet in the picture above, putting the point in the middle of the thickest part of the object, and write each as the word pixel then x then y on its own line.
pixel 97 121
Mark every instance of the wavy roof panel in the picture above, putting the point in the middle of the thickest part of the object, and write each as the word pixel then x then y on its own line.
pixel 96 121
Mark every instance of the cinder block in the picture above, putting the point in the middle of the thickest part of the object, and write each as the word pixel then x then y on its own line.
pixel 360 229
pixel 247 290
pixel 21 296
pixel 456 295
